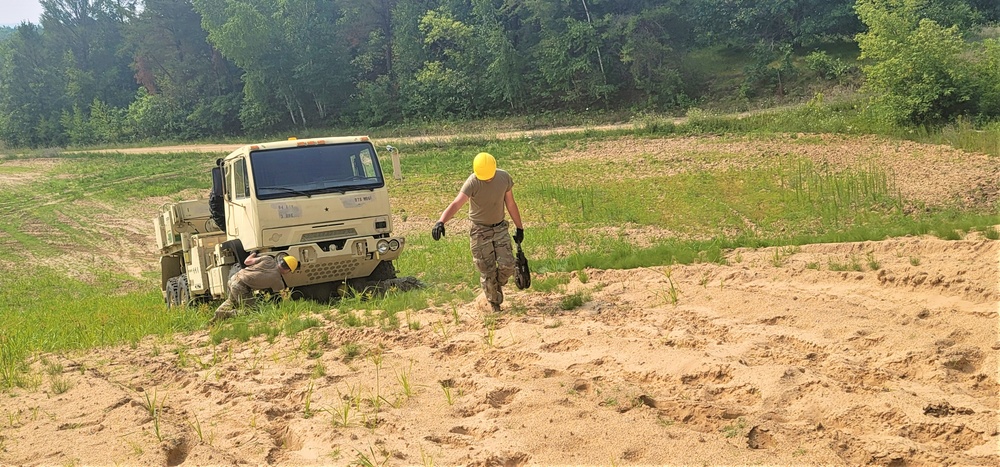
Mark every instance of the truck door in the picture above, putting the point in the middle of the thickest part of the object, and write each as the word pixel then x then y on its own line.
pixel 239 209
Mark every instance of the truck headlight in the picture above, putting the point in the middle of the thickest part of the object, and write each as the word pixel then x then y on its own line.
pixel 394 244
pixel 382 246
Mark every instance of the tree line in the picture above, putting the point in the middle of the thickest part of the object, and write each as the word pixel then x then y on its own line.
pixel 108 71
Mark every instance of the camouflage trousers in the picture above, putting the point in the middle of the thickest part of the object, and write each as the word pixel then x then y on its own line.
pixel 240 295
pixel 494 258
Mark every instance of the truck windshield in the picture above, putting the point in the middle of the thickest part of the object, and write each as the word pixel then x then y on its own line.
pixel 311 170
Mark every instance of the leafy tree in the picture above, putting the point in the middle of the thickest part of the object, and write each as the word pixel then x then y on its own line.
pixel 368 30
pixel 988 9
pixel 289 53
pixel 31 89
pixel 504 74
pixel 175 63
pixel 774 22
pixel 986 73
pixel 652 40
pixel 914 67
pixel 570 53
pixel 445 85
pixel 5 32
pixel 91 34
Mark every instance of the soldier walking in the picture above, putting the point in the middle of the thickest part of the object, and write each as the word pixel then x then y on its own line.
pixel 490 190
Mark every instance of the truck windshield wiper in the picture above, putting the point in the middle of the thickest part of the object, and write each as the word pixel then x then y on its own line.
pixel 334 189
pixel 285 188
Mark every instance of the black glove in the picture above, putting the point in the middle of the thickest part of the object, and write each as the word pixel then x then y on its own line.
pixel 518 235
pixel 438 231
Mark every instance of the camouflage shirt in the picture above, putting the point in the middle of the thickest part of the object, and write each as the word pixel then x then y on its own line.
pixel 263 275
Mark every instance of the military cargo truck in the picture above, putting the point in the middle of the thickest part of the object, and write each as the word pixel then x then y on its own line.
pixel 322 200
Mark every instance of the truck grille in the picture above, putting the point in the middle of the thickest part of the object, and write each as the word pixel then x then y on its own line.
pixel 331 271
pixel 339 233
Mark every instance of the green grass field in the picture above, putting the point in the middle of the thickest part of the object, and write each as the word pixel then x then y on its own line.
pixel 72 222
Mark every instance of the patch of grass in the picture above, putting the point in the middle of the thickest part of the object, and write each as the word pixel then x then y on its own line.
pixel 296 324
pixel 307 410
pixel 852 264
pixel 371 458
pixel 672 293
pixel 573 301
pixel 873 263
pixel 549 283
pixel 319 370
pixel 314 344
pixel 490 326
pixel 781 255
pixel 350 351
pixel 447 387
pixel 948 234
pixel 60 384
pixel 734 429
pixel 405 383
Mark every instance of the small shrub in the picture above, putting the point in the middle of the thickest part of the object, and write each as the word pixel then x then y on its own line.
pixel 350 351
pixel 572 301
pixel 873 263
pixel 851 265
pixel 827 67
pixel 734 429
pixel 60 385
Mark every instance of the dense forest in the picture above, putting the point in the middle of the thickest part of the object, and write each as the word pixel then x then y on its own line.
pixel 114 71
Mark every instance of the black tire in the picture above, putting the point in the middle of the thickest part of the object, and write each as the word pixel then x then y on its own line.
pixel 322 292
pixel 177 293
pixel 377 282
pixel 184 292
pixel 169 291
pixel 236 246
pixel 383 272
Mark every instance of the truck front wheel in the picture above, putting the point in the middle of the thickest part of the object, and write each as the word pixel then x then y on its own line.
pixel 383 272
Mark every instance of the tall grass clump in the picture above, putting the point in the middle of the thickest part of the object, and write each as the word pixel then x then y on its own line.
pixel 963 134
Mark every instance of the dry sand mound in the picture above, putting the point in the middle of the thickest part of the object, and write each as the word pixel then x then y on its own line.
pixel 771 359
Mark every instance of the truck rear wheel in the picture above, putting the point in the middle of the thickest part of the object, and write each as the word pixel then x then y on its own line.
pixel 177 293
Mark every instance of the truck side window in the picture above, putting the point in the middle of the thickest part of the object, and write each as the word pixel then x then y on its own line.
pixel 229 182
pixel 242 181
pixel 367 165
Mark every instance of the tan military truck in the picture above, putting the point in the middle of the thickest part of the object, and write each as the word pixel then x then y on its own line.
pixel 321 200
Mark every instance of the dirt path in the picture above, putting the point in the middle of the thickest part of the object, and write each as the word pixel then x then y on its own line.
pixel 226 148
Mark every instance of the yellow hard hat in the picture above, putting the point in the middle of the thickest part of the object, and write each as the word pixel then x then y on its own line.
pixel 484 165
pixel 291 262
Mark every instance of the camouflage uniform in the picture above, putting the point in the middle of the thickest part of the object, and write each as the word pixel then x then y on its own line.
pixel 490 237
pixel 265 274
pixel 494 258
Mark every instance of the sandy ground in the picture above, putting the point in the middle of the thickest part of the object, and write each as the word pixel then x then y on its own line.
pixel 759 361
pixel 773 358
